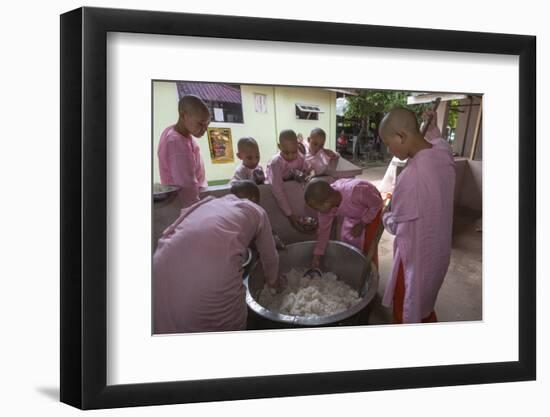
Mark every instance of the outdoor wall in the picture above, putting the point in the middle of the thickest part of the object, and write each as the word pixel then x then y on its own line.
pixel 461 165
pixel 264 127
pixel 165 113
pixel 285 102
pixel 462 123
pixel 261 126
pixel 469 184
pixel 471 195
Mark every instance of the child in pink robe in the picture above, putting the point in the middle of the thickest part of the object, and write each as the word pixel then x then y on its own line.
pixel 285 166
pixel 421 218
pixel 249 169
pixel 358 201
pixel 197 267
pixel 180 161
pixel 317 157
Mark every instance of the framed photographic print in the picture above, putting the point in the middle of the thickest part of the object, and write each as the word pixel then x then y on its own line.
pixel 221 145
pixel 238 288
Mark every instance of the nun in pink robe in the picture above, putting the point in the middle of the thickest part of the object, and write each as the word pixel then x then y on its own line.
pixel 319 162
pixel 180 163
pixel 361 201
pixel 387 185
pixel 279 170
pixel 197 271
pixel 421 218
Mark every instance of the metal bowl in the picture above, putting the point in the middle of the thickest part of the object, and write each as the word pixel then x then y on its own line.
pixel 162 192
pixel 347 262
pixel 298 175
pixel 309 224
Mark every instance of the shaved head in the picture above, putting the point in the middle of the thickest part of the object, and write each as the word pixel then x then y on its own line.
pixel 246 189
pixel 287 135
pixel 247 143
pixel 192 104
pixel 288 145
pixel 317 192
pixel 400 132
pixel 399 119
pixel 316 140
pixel 318 132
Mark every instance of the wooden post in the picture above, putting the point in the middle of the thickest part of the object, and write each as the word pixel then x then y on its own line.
pixel 467 126
pixel 476 130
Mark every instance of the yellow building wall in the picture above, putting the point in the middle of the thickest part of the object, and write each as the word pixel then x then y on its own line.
pixel 165 113
pixel 285 105
pixel 264 127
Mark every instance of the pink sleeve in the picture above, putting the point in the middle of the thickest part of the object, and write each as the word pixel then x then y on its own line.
pixel 330 154
pixel 266 248
pixel 275 178
pixel 369 197
pixel 404 206
pixel 314 163
pixel 325 224
pixel 201 175
pixel 318 164
pixel 433 133
pixel 389 223
pixel 306 166
pixel 240 174
pixel 182 167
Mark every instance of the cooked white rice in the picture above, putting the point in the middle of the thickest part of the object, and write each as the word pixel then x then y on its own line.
pixel 310 297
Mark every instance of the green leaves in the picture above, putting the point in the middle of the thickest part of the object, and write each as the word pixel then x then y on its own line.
pixel 369 102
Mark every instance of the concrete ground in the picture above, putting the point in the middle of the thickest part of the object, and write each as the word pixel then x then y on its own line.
pixel 460 297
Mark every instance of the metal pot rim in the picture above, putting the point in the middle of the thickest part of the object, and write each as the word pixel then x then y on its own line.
pixel 372 287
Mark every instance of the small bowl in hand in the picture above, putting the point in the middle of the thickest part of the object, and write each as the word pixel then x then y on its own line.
pixel 309 224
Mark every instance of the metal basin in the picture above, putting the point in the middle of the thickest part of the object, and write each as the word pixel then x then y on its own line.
pixel 347 262
pixel 163 192
pixel 247 264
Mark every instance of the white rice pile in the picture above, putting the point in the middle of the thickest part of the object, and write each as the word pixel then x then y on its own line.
pixel 310 297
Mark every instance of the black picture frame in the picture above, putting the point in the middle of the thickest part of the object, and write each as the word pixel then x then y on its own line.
pixel 84 207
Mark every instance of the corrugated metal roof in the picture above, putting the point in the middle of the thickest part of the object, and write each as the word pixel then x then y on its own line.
pixel 211 91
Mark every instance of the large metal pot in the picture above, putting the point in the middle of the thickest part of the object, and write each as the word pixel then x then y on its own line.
pixel 347 262
pixel 247 264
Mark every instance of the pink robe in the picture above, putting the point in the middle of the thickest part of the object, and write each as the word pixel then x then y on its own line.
pixel 361 201
pixel 180 163
pixel 278 171
pixel 197 269
pixel 421 218
pixel 244 173
pixel 433 135
pixel 318 162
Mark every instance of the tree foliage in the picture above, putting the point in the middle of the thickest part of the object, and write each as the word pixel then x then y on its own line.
pixel 370 102
pixel 453 114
